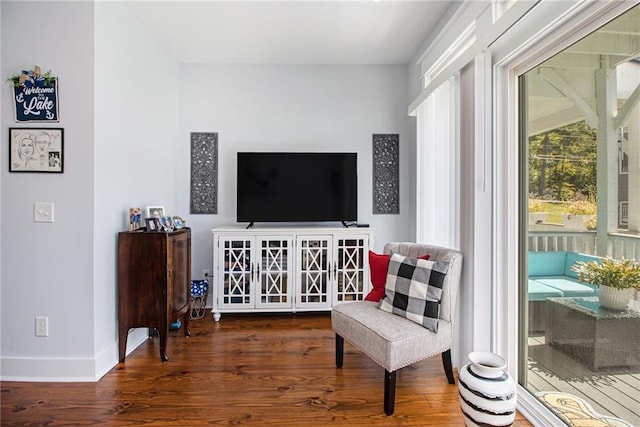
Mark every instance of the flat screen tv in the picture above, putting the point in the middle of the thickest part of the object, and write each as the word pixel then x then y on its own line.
pixel 297 187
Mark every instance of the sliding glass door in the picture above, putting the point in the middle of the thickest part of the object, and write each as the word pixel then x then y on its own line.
pixel 580 145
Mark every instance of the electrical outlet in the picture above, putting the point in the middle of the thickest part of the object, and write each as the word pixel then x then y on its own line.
pixel 42 326
pixel 206 274
pixel 43 212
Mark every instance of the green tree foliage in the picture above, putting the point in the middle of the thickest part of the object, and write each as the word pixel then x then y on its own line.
pixel 562 163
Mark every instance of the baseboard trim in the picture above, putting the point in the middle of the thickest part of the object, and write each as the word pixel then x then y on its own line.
pixel 68 369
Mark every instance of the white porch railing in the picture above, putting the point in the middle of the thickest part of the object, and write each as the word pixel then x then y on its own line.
pixel 619 245
pixel 624 246
pixel 582 242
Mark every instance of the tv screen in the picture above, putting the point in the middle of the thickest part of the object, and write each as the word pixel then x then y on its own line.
pixel 297 187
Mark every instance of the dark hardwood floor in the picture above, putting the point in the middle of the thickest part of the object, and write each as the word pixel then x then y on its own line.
pixel 247 369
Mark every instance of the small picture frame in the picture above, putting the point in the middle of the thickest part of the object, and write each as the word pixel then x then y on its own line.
pixel 178 222
pixel 36 150
pixel 167 223
pixel 135 218
pixel 153 224
pixel 155 211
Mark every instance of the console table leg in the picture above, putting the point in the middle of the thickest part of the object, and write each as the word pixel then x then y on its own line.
pixel 122 342
pixel 185 319
pixel 163 332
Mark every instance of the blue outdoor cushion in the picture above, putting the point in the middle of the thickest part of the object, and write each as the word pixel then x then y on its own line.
pixel 547 263
pixel 568 287
pixel 539 292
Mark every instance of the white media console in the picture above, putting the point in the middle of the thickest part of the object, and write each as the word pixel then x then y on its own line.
pixel 280 269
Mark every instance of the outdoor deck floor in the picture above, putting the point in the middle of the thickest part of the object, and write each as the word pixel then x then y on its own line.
pixel 611 391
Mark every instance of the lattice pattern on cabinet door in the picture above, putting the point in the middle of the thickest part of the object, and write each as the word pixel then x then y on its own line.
pixel 237 272
pixel 350 285
pixel 273 273
pixel 314 271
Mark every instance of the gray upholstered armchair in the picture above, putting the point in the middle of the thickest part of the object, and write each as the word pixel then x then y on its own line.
pixel 393 341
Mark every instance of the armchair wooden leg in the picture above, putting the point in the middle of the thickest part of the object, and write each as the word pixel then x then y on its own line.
pixel 448 368
pixel 389 391
pixel 339 350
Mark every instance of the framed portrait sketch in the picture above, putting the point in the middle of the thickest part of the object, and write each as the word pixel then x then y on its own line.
pixel 155 211
pixel 36 150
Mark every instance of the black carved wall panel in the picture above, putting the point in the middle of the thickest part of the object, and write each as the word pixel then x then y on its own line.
pixel 386 174
pixel 204 173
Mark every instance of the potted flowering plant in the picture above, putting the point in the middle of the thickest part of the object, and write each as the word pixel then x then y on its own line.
pixel 580 215
pixel 616 279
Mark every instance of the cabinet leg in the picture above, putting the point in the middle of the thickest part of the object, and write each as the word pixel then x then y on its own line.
pixel 185 320
pixel 163 332
pixel 216 315
pixel 122 342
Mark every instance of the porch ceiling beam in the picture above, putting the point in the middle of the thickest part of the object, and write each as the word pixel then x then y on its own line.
pixel 553 121
pixel 608 44
pixel 627 108
pixel 626 23
pixel 581 61
pixel 573 61
pixel 555 80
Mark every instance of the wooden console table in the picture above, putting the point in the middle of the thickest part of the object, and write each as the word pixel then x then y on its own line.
pixel 154 283
pixel 593 335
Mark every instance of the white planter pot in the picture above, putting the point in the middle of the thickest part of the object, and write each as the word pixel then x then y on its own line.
pixel 575 222
pixel 487 391
pixel 615 299
pixel 537 217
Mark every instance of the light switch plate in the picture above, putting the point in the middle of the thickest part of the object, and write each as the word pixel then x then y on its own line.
pixel 43 212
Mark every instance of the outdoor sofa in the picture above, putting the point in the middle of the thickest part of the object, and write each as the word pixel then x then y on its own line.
pixel 550 276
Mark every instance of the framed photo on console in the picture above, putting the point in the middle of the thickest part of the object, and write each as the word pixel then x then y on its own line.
pixel 153 224
pixel 155 211
pixel 178 222
pixel 167 223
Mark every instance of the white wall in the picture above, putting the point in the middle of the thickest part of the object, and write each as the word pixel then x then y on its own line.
pixel 1 110
pixel 136 144
pixel 127 109
pixel 47 269
pixel 296 108
pixel 67 270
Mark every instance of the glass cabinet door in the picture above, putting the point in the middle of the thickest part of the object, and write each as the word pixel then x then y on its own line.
pixel 315 271
pixel 237 271
pixel 351 276
pixel 273 272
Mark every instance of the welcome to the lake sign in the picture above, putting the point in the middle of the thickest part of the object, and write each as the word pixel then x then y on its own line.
pixel 35 96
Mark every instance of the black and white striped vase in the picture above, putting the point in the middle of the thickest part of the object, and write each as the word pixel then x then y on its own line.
pixel 487 391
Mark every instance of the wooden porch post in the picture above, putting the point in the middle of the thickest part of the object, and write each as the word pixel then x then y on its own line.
pixel 607 153
pixel 633 124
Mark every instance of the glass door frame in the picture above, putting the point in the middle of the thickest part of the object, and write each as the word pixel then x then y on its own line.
pixel 518 51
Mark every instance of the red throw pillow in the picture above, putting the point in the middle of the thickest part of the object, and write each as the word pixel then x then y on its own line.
pixel 378 265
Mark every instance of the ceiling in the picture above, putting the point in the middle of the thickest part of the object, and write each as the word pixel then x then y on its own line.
pixel 292 32
pixel 564 89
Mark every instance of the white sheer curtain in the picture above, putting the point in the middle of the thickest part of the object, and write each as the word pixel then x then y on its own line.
pixel 437 186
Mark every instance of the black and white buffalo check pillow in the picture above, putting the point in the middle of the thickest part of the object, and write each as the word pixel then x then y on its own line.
pixel 414 288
